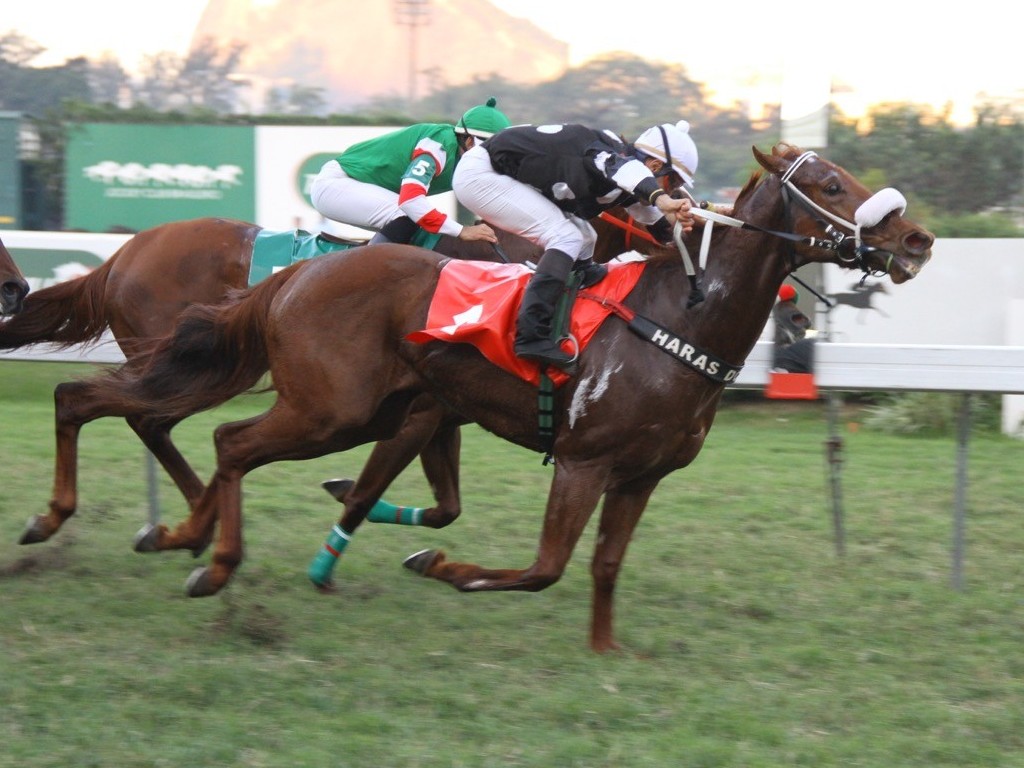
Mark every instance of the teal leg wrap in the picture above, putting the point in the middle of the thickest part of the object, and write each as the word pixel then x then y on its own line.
pixel 382 512
pixel 321 569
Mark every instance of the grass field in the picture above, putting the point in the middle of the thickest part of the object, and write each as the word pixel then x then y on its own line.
pixel 748 642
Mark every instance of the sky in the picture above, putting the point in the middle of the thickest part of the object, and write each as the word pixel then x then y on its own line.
pixel 869 52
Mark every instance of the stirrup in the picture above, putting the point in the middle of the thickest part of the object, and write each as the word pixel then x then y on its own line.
pixel 551 355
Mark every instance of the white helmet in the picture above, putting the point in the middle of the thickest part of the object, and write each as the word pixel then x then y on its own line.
pixel 682 152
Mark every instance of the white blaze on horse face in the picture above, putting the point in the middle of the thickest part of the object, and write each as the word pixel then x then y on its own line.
pixel 590 390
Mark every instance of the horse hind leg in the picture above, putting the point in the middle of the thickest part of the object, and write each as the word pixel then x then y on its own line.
pixel 156 435
pixel 288 431
pixel 75 406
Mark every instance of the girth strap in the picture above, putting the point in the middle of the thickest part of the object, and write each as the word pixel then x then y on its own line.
pixel 546 389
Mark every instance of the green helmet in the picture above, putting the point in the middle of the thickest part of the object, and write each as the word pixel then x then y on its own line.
pixel 483 120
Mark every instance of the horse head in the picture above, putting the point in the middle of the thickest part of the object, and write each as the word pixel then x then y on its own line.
pixel 841 221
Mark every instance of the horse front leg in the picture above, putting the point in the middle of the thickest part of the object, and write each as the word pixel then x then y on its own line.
pixel 574 494
pixel 288 431
pixel 619 516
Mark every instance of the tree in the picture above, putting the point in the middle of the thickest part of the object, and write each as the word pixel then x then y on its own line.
pixel 203 80
pixel 954 170
pixel 108 82
pixel 296 100
pixel 18 50
pixel 37 90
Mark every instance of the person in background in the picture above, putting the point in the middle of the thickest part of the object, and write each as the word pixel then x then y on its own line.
pixel 544 182
pixel 385 183
pixel 793 351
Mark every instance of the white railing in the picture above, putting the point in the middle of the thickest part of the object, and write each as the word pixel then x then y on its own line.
pixel 904 367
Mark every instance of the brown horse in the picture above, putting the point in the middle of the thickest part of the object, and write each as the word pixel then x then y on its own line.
pixel 640 406
pixel 13 288
pixel 139 293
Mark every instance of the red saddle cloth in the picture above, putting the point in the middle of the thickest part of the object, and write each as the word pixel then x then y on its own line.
pixel 476 302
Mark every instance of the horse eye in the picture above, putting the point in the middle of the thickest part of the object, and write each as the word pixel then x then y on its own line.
pixel 833 189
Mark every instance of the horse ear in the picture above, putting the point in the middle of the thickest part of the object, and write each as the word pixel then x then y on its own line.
pixel 772 162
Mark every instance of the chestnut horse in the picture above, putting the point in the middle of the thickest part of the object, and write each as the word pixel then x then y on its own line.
pixel 139 293
pixel 13 288
pixel 639 407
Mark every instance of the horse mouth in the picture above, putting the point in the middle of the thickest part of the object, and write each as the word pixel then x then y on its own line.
pixel 902 268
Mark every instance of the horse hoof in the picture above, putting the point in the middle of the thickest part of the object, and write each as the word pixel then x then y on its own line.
pixel 146 539
pixel 421 561
pixel 198 583
pixel 35 531
pixel 338 488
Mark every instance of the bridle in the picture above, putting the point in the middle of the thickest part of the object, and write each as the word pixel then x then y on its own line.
pixel 847 246
pixel 868 214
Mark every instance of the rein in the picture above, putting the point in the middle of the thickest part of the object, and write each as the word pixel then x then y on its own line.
pixel 696 295
pixel 629 227
pixel 868 214
pixel 848 247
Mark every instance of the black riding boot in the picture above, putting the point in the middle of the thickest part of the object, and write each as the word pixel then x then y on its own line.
pixel 400 230
pixel 533 326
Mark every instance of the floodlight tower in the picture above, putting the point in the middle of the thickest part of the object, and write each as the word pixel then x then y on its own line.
pixel 413 14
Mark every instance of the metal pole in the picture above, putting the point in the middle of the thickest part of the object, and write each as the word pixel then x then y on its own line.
pixel 834 446
pixel 960 494
pixel 834 457
pixel 151 481
pixel 412 63
pixel 414 14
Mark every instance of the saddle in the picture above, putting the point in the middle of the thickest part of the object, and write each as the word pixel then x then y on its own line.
pixel 478 302
pixel 274 250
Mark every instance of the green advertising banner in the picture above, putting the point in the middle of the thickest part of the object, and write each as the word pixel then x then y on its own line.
pixel 138 176
pixel 10 171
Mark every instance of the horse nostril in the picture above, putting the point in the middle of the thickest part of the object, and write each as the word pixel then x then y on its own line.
pixel 918 242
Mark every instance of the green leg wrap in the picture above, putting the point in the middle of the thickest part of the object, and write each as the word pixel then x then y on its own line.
pixel 321 569
pixel 382 512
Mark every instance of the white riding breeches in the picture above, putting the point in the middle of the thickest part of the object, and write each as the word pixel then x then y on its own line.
pixel 338 196
pixel 518 208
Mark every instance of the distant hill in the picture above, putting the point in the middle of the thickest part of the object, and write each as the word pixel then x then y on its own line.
pixel 355 49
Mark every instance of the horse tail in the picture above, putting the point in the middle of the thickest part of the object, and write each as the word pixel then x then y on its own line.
pixel 68 313
pixel 216 351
